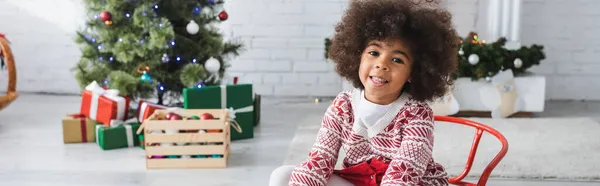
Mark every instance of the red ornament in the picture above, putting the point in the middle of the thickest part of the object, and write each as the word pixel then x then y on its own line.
pixel 206 116
pixel 171 114
pixel 223 16
pixel 105 16
pixel 176 117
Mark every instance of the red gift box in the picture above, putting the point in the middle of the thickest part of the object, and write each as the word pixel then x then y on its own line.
pixel 104 105
pixel 145 109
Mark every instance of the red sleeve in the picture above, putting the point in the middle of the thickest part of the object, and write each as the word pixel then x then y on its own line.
pixel 318 167
pixel 410 160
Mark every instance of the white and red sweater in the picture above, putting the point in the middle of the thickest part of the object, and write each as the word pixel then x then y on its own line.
pixel 404 136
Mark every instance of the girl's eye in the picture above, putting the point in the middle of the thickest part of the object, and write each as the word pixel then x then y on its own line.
pixel 373 53
pixel 397 60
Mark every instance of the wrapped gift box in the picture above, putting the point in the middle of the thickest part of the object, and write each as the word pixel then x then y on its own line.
pixel 115 137
pixel 239 99
pixel 104 106
pixel 77 128
pixel 145 109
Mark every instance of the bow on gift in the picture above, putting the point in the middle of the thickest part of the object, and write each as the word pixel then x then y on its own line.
pixel 232 115
pixel 112 94
pixel 97 89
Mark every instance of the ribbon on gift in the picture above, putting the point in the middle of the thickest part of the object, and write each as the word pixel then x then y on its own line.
pixel 129 133
pixel 82 123
pixel 116 123
pixel 112 94
pixel 233 112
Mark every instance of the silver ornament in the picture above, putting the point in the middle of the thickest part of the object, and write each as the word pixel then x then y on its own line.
pixel 461 52
pixel 212 65
pixel 518 63
pixel 473 59
pixel 192 27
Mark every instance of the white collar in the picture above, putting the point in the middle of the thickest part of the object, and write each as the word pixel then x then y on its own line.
pixel 383 122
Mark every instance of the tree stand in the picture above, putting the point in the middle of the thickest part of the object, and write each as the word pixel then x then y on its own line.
pixel 11 92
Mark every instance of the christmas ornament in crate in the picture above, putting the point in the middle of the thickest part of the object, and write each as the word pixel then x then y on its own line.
pixel 141 140
pixel 237 98
pixel 104 105
pixel 118 136
pixel 187 138
pixel 77 128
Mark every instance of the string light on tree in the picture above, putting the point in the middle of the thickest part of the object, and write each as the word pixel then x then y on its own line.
pixel 165 58
pixel 200 84
pixel 160 87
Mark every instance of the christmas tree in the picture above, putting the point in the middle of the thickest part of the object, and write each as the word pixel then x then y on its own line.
pixel 478 59
pixel 153 48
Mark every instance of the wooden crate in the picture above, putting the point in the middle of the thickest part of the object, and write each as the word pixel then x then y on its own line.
pixel 196 143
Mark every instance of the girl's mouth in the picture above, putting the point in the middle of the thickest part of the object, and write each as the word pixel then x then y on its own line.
pixel 377 80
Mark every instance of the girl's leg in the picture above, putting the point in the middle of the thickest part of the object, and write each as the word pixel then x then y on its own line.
pixel 281 177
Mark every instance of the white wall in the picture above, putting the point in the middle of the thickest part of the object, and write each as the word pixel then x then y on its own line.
pixel 42 33
pixel 285 43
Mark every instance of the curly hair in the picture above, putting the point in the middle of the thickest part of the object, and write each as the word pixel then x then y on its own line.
pixel 428 32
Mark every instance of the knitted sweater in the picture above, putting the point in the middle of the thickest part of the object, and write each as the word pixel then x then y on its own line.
pixel 403 136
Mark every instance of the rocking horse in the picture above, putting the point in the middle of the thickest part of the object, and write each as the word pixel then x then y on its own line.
pixel 11 92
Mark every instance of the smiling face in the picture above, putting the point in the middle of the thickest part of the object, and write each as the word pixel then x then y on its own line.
pixel 385 66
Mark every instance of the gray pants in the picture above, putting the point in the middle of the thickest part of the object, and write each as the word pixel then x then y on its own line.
pixel 281 177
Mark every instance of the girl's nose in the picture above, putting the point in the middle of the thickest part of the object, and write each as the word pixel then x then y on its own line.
pixel 381 66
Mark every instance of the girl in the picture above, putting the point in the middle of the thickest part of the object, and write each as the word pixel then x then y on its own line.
pixel 398 55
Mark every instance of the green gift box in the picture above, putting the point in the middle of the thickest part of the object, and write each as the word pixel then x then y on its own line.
pixel 238 98
pixel 120 136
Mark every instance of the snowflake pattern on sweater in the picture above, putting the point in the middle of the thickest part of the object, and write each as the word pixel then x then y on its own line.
pixel 405 140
